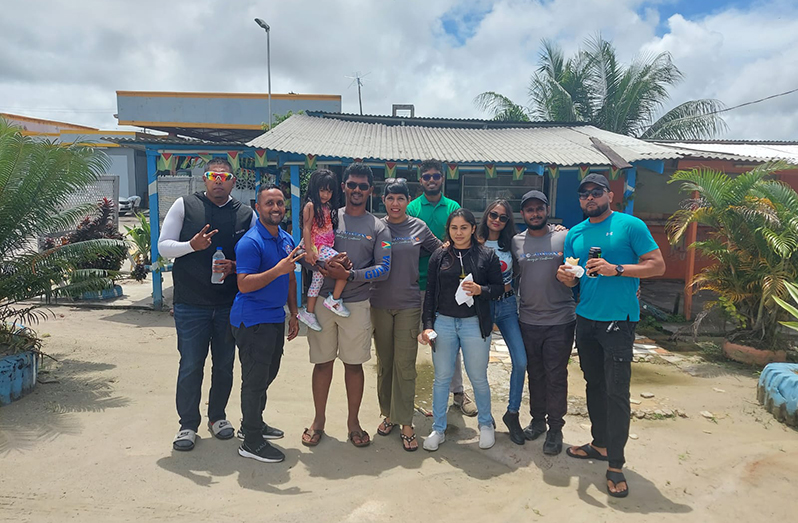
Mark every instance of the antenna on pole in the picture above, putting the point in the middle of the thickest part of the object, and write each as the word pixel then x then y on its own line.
pixel 359 79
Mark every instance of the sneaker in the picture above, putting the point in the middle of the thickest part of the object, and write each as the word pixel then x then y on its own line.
pixel 309 319
pixel 553 444
pixel 264 453
pixel 336 306
pixel 487 436
pixel 434 439
pixel 268 433
pixel 467 406
pixel 516 432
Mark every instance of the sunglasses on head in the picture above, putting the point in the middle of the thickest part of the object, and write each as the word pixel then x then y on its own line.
pixel 354 185
pixel 219 176
pixel 395 180
pixel 595 193
pixel 433 176
pixel 496 216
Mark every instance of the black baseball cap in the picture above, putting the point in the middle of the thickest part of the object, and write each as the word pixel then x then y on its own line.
pixel 534 195
pixel 598 179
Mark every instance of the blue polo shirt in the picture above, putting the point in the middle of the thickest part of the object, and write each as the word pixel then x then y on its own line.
pixel 623 240
pixel 258 251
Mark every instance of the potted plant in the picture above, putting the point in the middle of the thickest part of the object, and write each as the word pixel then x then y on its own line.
pixel 36 180
pixel 752 224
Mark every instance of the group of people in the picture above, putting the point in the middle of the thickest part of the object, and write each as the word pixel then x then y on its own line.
pixel 427 273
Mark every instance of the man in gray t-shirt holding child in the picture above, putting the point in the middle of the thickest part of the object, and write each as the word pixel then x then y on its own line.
pixel 547 319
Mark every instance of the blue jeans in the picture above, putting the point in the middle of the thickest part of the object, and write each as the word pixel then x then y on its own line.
pixel 505 315
pixel 197 328
pixel 455 334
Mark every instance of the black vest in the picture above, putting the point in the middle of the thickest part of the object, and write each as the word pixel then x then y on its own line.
pixel 192 273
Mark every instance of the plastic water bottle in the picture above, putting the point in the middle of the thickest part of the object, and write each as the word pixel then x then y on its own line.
pixel 216 277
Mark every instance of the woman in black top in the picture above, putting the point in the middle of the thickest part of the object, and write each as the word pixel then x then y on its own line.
pixel 467 325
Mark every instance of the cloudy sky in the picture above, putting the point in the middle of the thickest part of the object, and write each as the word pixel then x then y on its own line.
pixel 65 60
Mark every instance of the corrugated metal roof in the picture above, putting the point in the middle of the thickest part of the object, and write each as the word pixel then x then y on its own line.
pixel 566 145
pixel 741 151
pixel 144 139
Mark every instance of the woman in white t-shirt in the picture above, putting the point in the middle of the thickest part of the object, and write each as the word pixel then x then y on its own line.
pixel 496 230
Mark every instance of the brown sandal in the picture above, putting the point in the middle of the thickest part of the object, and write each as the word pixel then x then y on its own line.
pixel 314 437
pixel 406 440
pixel 362 435
pixel 388 427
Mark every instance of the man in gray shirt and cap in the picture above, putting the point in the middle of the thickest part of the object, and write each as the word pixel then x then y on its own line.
pixel 547 320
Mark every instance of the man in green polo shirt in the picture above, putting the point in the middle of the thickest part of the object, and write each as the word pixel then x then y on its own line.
pixel 433 208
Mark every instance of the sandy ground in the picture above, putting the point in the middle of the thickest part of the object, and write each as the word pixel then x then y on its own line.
pixel 94 444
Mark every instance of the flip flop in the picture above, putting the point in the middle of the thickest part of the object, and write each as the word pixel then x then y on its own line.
pixel 406 440
pixel 312 433
pixel 591 453
pixel 617 477
pixel 362 435
pixel 385 424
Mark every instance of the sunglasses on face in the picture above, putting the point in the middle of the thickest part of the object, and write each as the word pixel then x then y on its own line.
pixel 354 185
pixel 433 176
pixel 496 216
pixel 595 193
pixel 395 180
pixel 218 176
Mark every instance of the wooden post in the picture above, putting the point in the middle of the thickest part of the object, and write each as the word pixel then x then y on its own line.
pixel 692 234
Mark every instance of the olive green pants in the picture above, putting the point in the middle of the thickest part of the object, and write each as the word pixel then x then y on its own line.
pixel 395 337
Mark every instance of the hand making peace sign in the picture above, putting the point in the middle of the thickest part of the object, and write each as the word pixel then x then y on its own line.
pixel 202 240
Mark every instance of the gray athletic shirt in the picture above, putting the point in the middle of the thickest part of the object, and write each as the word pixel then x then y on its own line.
pixel 544 300
pixel 400 290
pixel 367 242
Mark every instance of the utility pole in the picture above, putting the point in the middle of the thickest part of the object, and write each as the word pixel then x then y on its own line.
pixel 359 79
pixel 266 28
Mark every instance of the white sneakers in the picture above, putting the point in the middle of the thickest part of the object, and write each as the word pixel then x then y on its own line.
pixel 309 319
pixel 434 440
pixel 487 436
pixel 336 306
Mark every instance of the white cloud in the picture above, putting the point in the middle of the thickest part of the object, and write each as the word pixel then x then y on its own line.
pixel 73 56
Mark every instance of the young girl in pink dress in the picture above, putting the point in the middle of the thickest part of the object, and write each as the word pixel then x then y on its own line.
pixel 318 235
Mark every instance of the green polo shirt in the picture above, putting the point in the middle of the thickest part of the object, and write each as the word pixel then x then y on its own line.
pixel 435 216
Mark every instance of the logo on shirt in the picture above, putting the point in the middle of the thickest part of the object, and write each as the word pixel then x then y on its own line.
pixel 351 235
pixel 386 245
pixel 541 256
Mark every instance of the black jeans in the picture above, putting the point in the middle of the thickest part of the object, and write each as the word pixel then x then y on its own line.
pixel 260 349
pixel 605 355
pixel 548 348
pixel 197 329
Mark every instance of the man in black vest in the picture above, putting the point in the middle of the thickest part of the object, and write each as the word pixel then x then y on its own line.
pixel 194 229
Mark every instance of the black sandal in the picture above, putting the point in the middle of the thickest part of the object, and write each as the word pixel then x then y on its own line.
pixel 385 424
pixel 590 453
pixel 617 477
pixel 406 440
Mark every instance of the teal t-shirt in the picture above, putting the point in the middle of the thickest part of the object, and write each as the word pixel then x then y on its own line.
pixel 623 240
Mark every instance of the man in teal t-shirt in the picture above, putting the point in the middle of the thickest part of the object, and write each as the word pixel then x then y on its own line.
pixel 433 208
pixel 606 317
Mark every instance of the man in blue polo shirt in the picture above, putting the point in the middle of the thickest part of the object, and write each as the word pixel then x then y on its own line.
pixel 606 317
pixel 265 259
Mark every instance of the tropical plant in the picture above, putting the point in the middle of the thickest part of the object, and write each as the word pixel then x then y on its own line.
pixel 792 288
pixel 142 242
pixel 752 223
pixel 36 180
pixel 593 86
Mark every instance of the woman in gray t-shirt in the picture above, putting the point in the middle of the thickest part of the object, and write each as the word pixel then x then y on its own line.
pixel 396 314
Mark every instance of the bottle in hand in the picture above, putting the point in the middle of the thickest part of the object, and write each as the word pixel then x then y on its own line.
pixel 594 252
pixel 216 277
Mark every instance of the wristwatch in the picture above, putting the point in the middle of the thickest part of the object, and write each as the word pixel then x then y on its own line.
pixel 619 270
pixel 351 276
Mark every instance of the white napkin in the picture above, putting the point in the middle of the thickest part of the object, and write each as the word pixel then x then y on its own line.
pixel 576 270
pixel 460 295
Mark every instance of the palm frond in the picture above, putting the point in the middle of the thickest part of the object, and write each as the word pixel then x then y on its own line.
pixel 500 107
pixel 691 120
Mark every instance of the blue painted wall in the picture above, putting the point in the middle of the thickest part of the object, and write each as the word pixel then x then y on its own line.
pixel 568 209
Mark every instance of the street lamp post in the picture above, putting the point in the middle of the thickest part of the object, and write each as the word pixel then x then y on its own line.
pixel 266 28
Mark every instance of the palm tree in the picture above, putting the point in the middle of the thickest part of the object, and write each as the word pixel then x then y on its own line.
pixel 592 86
pixel 36 180
pixel 752 224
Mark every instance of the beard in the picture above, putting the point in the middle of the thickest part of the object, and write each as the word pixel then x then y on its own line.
pixel 541 225
pixel 598 211
pixel 435 192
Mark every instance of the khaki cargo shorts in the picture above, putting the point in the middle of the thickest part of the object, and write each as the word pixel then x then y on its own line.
pixel 348 339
